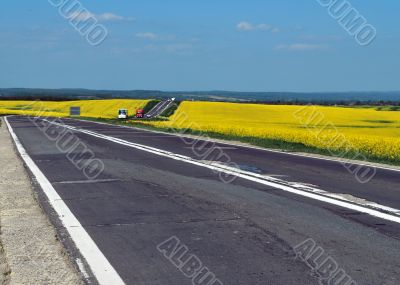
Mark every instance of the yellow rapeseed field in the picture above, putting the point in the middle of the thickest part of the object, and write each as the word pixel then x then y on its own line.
pixel 375 134
pixel 89 108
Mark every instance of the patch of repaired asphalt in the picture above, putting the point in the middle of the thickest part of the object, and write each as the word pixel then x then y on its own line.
pixel 32 254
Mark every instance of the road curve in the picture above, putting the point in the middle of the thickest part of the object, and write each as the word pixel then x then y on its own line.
pixel 244 232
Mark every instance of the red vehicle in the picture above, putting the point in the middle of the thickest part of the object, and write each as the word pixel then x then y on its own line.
pixel 140 113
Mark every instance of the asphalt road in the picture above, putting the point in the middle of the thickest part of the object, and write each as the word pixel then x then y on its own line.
pixel 244 232
pixel 159 108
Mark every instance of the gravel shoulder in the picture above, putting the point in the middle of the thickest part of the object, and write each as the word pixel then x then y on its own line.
pixel 30 252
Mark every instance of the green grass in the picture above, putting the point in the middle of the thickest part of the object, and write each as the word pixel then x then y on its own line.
pixel 379 108
pixel 150 105
pixel 261 142
pixel 380 121
pixel 388 108
pixel 20 107
pixel 171 110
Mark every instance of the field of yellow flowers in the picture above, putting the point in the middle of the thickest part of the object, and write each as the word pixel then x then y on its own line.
pixel 334 130
pixel 338 130
pixel 91 108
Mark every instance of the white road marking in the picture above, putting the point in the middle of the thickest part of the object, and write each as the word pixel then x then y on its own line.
pixel 367 207
pixel 311 156
pixel 98 263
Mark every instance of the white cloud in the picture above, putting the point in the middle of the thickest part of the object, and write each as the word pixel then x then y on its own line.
pixel 109 17
pixel 105 17
pixel 155 37
pixel 147 36
pixel 81 16
pixel 247 27
pixel 301 47
pixel 264 27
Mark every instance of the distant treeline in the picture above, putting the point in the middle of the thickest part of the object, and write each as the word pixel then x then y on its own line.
pixel 338 98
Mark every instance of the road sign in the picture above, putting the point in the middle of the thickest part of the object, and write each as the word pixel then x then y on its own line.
pixel 75 111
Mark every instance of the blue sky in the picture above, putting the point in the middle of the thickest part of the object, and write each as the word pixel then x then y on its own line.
pixel 257 45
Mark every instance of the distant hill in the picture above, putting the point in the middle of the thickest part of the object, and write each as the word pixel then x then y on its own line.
pixel 261 97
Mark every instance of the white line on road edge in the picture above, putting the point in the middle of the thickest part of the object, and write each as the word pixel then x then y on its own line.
pixel 311 156
pixel 100 266
pixel 367 207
